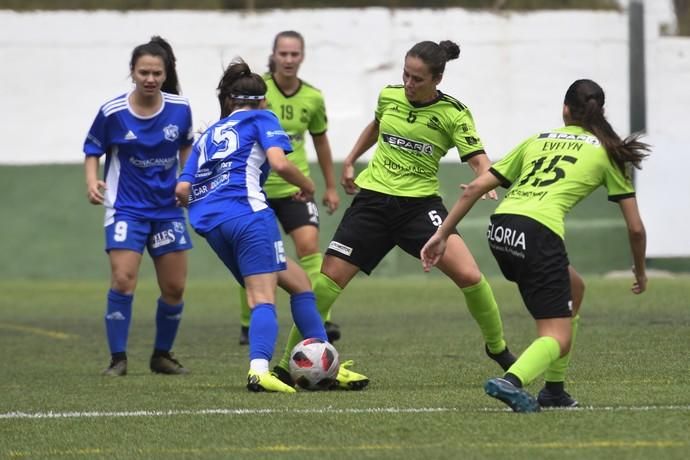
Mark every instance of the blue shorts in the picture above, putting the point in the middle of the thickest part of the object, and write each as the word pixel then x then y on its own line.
pixel 249 245
pixel 157 237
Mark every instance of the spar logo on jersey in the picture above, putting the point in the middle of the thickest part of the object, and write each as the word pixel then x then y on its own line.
pixel 171 132
pixel 571 137
pixel 408 144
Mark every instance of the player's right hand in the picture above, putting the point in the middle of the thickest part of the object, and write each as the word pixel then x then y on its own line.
pixel 432 251
pixel 305 193
pixel 94 192
pixel 182 192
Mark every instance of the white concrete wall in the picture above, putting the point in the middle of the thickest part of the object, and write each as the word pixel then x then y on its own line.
pixel 58 67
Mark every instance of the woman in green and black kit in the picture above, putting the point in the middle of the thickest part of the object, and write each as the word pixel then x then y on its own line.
pixel 415 125
pixel 548 174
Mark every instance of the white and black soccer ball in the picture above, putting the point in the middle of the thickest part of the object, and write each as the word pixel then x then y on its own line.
pixel 314 364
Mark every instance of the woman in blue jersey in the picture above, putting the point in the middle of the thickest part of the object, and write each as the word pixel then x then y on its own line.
pixel 300 109
pixel 222 186
pixel 548 174
pixel 145 134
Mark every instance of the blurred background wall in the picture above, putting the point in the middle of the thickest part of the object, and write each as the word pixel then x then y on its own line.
pixel 59 66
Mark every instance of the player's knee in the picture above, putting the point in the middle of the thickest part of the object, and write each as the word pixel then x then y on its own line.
pixel 465 276
pixel 174 297
pixel 172 293
pixel 123 281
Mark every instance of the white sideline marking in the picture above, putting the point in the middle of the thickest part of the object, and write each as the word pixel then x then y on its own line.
pixel 327 410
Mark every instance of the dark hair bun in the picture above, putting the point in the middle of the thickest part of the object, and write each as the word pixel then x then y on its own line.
pixel 452 49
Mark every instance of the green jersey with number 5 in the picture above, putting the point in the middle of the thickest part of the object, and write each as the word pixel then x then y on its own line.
pixel 300 112
pixel 412 140
pixel 549 173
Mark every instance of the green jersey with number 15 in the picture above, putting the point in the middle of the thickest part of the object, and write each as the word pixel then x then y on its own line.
pixel 551 172
pixel 300 112
pixel 412 140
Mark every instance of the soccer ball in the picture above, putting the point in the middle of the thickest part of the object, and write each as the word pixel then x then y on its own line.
pixel 314 364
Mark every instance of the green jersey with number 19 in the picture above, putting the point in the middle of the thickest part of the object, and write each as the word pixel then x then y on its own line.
pixel 551 172
pixel 304 110
pixel 412 140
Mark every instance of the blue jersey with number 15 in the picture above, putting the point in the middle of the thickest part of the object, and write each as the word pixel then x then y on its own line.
pixel 228 167
pixel 141 156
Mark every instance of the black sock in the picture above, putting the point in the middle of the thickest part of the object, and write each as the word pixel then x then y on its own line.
pixel 158 353
pixel 119 356
pixel 512 378
pixel 554 387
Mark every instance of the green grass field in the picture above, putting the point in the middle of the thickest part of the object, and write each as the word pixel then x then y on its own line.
pixel 412 337
pixel 409 332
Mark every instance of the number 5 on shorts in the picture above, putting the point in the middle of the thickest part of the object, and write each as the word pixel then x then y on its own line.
pixel 435 218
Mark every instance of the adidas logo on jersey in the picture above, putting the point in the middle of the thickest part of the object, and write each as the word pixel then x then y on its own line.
pixel 130 136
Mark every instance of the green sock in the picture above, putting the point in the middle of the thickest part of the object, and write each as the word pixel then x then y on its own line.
pixel 536 359
pixel 556 371
pixel 482 305
pixel 312 265
pixel 326 291
pixel 245 313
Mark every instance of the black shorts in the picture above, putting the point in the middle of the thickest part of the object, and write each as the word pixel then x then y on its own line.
pixel 293 214
pixel 534 257
pixel 375 223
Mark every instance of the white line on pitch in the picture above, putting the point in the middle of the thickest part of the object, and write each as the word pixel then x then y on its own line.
pixel 328 410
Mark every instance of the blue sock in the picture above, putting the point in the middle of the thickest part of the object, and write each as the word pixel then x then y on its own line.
pixel 167 321
pixel 118 316
pixel 306 316
pixel 263 331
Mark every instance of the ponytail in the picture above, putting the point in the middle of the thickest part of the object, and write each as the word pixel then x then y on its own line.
pixel 585 100
pixel 239 87
pixel 171 84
